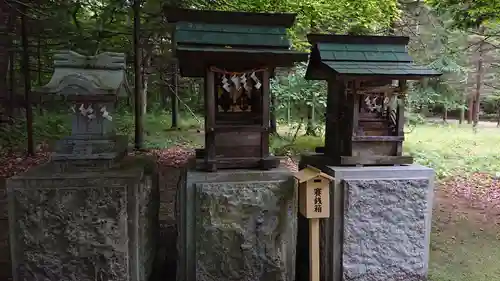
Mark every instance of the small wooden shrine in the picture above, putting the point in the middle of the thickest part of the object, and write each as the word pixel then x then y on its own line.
pixel 366 90
pixel 236 53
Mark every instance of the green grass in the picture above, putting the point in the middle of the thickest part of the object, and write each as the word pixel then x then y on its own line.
pixel 475 258
pixel 463 250
pixel 450 149
pixel 455 149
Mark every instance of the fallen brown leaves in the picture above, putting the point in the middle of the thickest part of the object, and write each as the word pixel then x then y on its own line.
pixel 481 190
pixel 171 157
pixel 14 163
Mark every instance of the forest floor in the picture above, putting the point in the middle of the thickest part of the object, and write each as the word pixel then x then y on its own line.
pixel 465 244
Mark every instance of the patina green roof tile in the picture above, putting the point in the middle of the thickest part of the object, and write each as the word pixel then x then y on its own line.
pixel 231 40
pixel 332 47
pixel 380 56
pixel 389 48
pixel 230 35
pixel 382 68
pixel 363 55
pixel 236 50
pixel 225 28
pixel 345 55
pixel 223 39
pixel 403 57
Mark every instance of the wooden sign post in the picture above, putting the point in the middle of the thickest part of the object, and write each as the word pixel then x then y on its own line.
pixel 314 204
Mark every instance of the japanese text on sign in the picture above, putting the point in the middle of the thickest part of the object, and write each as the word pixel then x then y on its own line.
pixel 317 200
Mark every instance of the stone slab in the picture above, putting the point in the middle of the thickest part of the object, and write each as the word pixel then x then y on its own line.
pixel 385 233
pixel 4 241
pixel 83 226
pixel 379 225
pixel 3 200
pixel 5 268
pixel 237 225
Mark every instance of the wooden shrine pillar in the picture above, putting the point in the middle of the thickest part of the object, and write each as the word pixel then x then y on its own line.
pixel 331 120
pixel 210 107
pixel 400 112
pixel 264 140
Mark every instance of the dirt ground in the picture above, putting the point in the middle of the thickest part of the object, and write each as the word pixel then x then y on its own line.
pixel 465 242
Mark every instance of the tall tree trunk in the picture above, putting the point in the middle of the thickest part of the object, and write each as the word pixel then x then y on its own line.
pixel 310 122
pixel 498 115
pixel 163 91
pixel 289 113
pixel 174 94
pixel 12 82
pixel 201 94
pixel 310 130
pixel 6 23
pixel 462 110
pixel 479 82
pixel 470 108
pixel 39 69
pixel 146 68
pixel 272 121
pixel 139 113
pixel 27 82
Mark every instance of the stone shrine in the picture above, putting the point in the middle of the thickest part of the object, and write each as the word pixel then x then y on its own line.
pixel 91 212
pixel 236 206
pixel 381 204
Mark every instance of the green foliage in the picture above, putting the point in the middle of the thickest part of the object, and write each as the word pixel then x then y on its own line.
pixel 413 119
pixel 469 14
pixel 319 15
pixel 51 127
pixel 294 92
pixel 288 145
pixel 439 47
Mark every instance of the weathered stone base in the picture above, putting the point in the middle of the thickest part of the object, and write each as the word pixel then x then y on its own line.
pixel 5 266
pixel 84 226
pixel 237 225
pixel 379 225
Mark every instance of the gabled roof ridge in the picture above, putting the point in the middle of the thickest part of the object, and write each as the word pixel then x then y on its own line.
pixel 357 39
pixel 174 14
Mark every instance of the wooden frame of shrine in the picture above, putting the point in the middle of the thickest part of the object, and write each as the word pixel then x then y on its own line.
pixel 236 53
pixel 367 82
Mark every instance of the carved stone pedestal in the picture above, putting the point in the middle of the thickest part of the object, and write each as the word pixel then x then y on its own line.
pixel 86 225
pixel 237 225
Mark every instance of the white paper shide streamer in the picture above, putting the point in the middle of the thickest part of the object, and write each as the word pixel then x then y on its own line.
pixel 89 112
pixel 105 114
pixel 225 84
pixel 236 82
pixel 256 80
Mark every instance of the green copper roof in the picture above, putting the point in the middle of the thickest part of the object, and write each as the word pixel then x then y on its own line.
pixel 379 68
pixel 231 40
pixel 226 35
pixel 362 56
pixel 76 74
